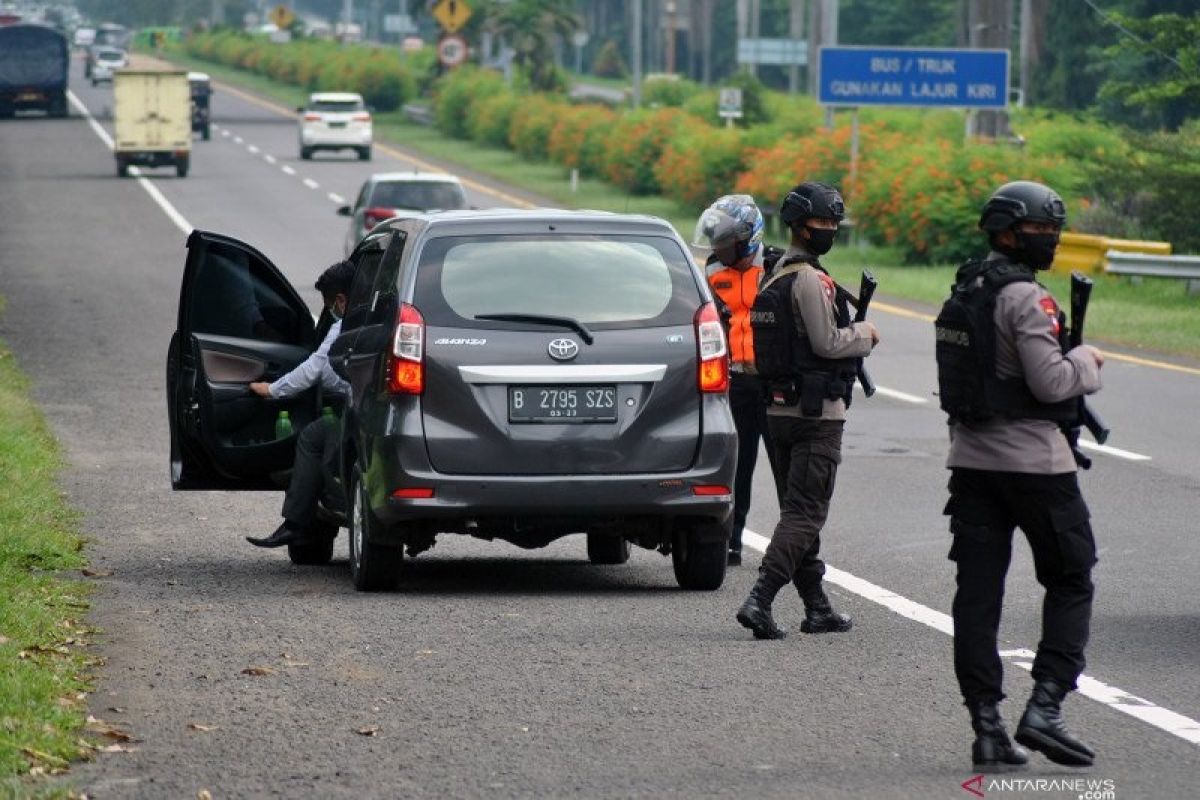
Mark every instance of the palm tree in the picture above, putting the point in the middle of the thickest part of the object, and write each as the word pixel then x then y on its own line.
pixel 530 28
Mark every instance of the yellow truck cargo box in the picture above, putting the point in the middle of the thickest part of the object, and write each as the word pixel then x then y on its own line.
pixel 152 116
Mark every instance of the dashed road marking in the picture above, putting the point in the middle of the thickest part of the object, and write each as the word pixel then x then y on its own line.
pixel 270 159
pixel 288 170
pixel 238 139
pixel 310 183
pixel 252 148
pixel 1165 720
pixel 337 198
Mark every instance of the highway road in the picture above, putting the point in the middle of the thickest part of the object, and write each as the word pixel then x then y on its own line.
pixel 496 672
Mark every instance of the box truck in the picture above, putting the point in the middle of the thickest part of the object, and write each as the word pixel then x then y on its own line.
pixel 152 115
pixel 33 70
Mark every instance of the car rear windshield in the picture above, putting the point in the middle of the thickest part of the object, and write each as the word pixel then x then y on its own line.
pixel 609 281
pixel 110 56
pixel 422 196
pixel 336 106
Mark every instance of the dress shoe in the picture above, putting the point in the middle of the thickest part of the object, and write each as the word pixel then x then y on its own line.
pixel 819 616
pixel 284 534
pixel 993 751
pixel 735 558
pixel 755 613
pixel 1042 728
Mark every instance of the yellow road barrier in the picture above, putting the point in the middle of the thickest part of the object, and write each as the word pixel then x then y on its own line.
pixel 1085 251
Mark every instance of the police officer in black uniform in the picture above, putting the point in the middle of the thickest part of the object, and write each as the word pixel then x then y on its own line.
pixel 805 350
pixel 1011 386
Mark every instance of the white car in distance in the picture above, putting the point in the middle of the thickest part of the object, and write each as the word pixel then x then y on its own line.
pixel 389 194
pixel 335 121
pixel 108 61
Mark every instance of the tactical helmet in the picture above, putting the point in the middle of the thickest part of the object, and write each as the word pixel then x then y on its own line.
pixel 732 228
pixel 812 199
pixel 1020 201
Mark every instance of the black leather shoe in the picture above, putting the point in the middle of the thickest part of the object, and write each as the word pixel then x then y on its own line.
pixel 735 558
pixel 1042 728
pixel 993 751
pixel 819 616
pixel 282 535
pixel 755 613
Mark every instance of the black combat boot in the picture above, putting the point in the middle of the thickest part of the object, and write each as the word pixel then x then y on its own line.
pixel 755 613
pixel 993 751
pixel 819 616
pixel 1042 727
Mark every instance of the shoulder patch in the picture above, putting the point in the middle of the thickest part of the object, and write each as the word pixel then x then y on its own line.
pixel 1051 308
pixel 828 285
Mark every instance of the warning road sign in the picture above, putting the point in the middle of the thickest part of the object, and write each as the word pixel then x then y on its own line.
pixel 451 14
pixel 452 50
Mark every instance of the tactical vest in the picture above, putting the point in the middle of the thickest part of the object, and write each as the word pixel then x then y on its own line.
pixel 785 360
pixel 969 389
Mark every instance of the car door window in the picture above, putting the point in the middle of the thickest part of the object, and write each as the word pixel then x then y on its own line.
pixel 361 200
pixel 385 299
pixel 358 305
pixel 235 297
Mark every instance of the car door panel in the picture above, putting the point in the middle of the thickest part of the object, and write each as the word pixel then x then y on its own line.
pixel 239 321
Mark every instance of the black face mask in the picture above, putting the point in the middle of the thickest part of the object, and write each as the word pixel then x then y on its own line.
pixel 1037 249
pixel 820 240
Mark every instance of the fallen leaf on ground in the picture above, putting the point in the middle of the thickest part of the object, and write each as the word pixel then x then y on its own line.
pixel 196 726
pixel 203 794
pixel 102 728
pixel 3 640
pixel 96 572
pixel 117 748
pixel 368 731
pixel 258 671
pixel 116 709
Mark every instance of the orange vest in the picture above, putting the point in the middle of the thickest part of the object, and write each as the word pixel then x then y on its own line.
pixel 737 289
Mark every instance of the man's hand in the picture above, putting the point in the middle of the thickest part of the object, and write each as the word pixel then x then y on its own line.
pixel 1096 354
pixel 874 332
pixel 261 389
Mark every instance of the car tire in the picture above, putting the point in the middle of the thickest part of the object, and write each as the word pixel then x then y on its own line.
pixel 205 133
pixel 316 552
pixel 373 567
pixel 122 168
pixel 699 556
pixel 364 154
pixel 181 167
pixel 306 153
pixel 607 549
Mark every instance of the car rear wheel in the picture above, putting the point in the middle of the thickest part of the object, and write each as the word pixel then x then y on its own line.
pixel 306 153
pixel 373 567
pixel 698 554
pixel 364 154
pixel 122 168
pixel 316 552
pixel 607 549
pixel 181 167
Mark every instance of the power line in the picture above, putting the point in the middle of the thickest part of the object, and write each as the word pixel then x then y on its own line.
pixel 1109 19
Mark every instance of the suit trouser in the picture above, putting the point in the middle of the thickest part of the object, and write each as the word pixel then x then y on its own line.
pixel 984 509
pixel 314 474
pixel 749 407
pixel 808 452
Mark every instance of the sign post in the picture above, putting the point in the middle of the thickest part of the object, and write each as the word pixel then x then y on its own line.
pixel 729 105
pixel 452 15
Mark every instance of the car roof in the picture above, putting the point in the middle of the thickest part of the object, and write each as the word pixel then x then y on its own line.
pixel 513 220
pixel 335 97
pixel 198 76
pixel 413 177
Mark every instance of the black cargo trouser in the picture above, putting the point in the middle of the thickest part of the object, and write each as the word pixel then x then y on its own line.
pixel 807 452
pixel 984 509
pixel 314 474
pixel 749 407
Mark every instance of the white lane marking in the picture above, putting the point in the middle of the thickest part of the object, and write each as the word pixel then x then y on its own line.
pixel 1088 444
pixel 1175 724
pixel 224 132
pixel 238 139
pixel 337 198
pixel 310 183
pixel 895 394
pixel 270 159
pixel 253 148
pixel 288 170
pixel 151 189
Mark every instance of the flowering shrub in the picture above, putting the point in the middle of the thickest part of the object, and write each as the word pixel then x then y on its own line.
pixel 635 144
pixel 455 94
pixel 489 118
pixel 532 121
pixel 578 138
pixel 700 164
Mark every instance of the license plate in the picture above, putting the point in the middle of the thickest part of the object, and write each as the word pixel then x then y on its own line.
pixel 337 124
pixel 29 97
pixel 562 404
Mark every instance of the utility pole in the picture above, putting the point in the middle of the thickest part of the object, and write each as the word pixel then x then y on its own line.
pixel 990 26
pixel 217 13
pixel 1026 48
pixel 669 8
pixel 755 27
pixel 795 33
pixel 635 52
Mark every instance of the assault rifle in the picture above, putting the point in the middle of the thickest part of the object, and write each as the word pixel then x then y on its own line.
pixel 1081 293
pixel 866 289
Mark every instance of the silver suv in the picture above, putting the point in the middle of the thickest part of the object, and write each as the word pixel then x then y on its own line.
pixel 516 375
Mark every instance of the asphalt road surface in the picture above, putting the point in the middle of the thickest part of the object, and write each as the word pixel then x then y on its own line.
pixel 497 672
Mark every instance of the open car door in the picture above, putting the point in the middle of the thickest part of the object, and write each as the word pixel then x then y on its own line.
pixel 240 321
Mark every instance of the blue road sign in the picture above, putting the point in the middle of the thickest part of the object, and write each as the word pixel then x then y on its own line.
pixel 901 76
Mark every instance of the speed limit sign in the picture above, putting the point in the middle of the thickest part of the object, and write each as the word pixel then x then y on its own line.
pixel 452 50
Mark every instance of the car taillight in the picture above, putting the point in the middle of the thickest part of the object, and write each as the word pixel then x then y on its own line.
pixel 710 490
pixel 374 216
pixel 710 343
pixel 361 118
pixel 414 493
pixel 312 117
pixel 406 361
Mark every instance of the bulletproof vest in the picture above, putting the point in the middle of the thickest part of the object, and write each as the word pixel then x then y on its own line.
pixel 785 360
pixel 969 389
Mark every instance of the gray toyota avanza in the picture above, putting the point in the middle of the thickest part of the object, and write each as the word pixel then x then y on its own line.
pixel 516 375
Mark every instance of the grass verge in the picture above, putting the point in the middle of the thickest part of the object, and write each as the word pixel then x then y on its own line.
pixel 42 666
pixel 1156 315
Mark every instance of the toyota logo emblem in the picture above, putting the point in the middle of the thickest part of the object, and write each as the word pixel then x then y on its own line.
pixel 563 349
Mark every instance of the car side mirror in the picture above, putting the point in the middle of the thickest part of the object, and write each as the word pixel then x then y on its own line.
pixel 344 211
pixel 299 109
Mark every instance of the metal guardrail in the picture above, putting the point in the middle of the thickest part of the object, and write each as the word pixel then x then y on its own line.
pixel 1142 265
pixel 420 114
